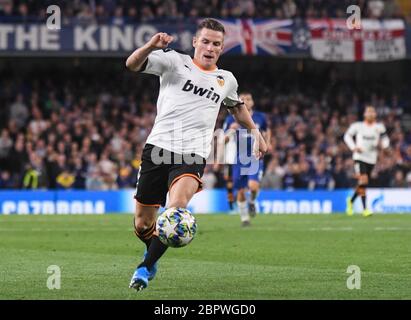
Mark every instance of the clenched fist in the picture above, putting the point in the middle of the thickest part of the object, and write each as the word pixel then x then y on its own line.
pixel 160 40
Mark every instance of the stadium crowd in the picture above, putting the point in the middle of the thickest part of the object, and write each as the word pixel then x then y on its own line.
pixel 88 130
pixel 127 11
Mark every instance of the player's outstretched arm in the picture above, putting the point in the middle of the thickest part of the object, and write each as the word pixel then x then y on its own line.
pixel 243 117
pixel 159 41
pixel 231 131
pixel 267 137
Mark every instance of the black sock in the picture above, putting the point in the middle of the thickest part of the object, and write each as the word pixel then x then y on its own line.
pixel 155 251
pixel 148 242
pixel 230 194
pixel 364 202
pixel 354 196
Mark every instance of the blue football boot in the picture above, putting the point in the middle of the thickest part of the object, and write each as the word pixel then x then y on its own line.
pixel 139 280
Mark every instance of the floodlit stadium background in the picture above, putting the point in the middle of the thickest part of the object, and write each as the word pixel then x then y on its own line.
pixel 73 118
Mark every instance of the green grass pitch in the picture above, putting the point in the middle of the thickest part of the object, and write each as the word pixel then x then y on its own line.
pixel 278 257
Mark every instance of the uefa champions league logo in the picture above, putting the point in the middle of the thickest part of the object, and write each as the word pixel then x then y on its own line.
pixel 301 38
pixel 377 203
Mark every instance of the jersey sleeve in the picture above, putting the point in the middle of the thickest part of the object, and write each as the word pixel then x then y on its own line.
pixel 385 141
pixel 158 62
pixel 349 136
pixel 383 130
pixel 232 98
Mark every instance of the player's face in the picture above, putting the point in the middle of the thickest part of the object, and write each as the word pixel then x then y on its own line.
pixel 248 100
pixel 208 45
pixel 370 115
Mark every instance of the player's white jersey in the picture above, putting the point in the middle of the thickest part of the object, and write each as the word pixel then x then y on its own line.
pixel 188 102
pixel 367 138
pixel 230 147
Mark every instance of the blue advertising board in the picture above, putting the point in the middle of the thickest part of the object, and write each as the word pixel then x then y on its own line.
pixel 65 202
pixel 205 202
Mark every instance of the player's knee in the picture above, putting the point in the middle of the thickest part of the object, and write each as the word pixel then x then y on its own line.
pixel 144 228
pixel 361 190
pixel 140 224
pixel 254 186
pixel 179 199
pixel 363 180
pixel 144 217
pixel 179 202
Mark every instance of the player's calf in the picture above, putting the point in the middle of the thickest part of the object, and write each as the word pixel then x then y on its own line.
pixel 362 194
pixel 144 231
pixel 145 222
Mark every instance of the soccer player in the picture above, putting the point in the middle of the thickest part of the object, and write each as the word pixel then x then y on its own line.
pixel 369 136
pixel 173 159
pixel 247 171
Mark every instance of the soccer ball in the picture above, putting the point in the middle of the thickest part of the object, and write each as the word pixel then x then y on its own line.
pixel 176 227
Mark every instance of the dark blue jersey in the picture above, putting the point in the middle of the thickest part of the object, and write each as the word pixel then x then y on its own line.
pixel 244 138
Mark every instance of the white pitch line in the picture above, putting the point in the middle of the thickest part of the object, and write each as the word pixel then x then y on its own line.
pixel 351 229
pixel 391 229
pixel 332 229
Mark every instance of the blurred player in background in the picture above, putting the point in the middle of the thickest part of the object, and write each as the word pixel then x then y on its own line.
pixel 245 176
pixel 191 92
pixel 364 139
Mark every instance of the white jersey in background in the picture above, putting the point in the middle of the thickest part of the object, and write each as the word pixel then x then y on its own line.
pixel 188 102
pixel 367 138
pixel 230 147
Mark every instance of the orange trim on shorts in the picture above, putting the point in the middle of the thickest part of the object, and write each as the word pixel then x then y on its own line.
pixel 148 205
pixel 188 175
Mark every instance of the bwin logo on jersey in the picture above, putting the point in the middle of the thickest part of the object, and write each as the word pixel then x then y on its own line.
pixel 208 93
